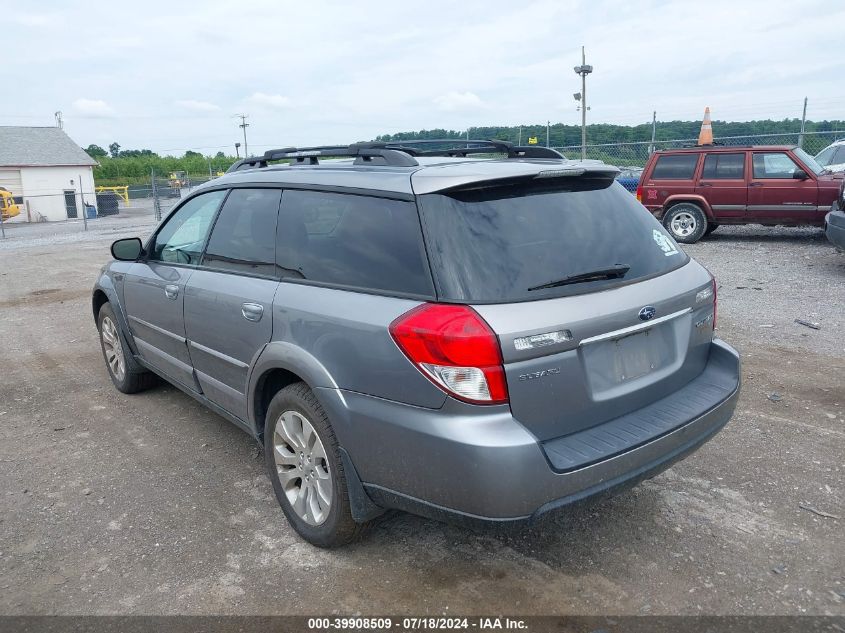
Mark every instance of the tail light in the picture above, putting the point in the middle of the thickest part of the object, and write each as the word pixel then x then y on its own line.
pixel 455 349
pixel 639 193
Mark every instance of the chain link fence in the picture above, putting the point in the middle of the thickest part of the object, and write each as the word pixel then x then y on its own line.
pixel 635 154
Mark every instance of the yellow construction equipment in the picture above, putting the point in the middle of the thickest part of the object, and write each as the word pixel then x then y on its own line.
pixel 8 207
pixel 122 191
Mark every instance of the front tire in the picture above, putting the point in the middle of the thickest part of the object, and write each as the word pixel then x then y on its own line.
pixel 126 375
pixel 303 461
pixel 686 222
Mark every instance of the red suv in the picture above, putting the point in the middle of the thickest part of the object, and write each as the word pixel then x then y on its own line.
pixel 694 190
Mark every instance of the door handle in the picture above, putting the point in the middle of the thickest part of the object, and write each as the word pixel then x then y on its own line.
pixel 705 184
pixel 252 311
pixel 171 290
pixel 755 184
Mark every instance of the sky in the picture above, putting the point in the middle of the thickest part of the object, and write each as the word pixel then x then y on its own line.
pixel 171 76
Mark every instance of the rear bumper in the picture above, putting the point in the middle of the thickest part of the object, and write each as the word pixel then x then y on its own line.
pixel 836 227
pixel 479 463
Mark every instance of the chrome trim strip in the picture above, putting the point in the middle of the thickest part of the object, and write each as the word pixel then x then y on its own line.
pixel 728 207
pixel 798 206
pixel 634 328
pixel 216 354
pixel 156 328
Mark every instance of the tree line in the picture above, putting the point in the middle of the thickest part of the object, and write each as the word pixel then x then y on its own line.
pixel 122 166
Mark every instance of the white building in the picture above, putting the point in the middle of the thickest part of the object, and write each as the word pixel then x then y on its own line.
pixel 43 166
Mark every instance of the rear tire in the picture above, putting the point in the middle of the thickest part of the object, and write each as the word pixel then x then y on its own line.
pixel 303 461
pixel 126 375
pixel 686 222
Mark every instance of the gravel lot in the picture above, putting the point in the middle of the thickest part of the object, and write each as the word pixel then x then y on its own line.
pixel 151 504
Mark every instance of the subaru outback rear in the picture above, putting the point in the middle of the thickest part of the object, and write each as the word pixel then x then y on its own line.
pixel 482 339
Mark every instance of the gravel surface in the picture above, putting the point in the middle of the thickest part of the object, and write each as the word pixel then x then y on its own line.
pixel 150 504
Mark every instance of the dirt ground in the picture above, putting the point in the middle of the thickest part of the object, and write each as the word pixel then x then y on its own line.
pixel 150 504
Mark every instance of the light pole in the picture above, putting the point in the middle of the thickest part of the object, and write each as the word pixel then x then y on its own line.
pixel 237 153
pixel 583 70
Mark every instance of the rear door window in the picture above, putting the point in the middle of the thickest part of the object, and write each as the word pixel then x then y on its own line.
pixel 352 241
pixel 244 237
pixel 499 244
pixel 724 167
pixel 675 167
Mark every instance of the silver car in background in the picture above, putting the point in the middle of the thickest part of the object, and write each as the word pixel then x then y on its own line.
pixel 411 326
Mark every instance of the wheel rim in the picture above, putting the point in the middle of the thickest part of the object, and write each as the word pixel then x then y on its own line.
pixel 684 224
pixel 303 467
pixel 113 349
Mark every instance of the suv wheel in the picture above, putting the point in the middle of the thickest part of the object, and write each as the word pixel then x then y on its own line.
pixel 125 373
pixel 686 222
pixel 302 457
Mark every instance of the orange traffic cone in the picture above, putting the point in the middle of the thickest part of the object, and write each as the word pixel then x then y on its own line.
pixel 705 137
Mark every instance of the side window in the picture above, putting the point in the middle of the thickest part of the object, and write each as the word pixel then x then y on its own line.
pixel 839 157
pixel 348 240
pixel 724 166
pixel 244 237
pixel 677 167
pixel 182 237
pixel 773 165
pixel 825 157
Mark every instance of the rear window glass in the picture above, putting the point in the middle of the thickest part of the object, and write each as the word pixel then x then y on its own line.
pixel 350 240
pixel 677 167
pixel 494 245
pixel 724 166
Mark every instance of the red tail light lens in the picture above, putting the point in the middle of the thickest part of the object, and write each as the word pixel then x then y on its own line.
pixel 639 193
pixel 455 349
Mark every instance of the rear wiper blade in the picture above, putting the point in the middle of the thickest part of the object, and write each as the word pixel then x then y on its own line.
pixel 616 271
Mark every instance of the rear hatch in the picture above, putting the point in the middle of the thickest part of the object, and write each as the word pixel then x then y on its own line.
pixel 597 310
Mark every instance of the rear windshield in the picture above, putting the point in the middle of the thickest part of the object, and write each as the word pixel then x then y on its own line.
pixel 494 245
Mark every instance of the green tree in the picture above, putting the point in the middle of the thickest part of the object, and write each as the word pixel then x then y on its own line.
pixel 114 149
pixel 95 151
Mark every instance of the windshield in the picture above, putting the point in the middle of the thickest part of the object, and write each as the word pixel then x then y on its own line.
pixel 809 161
pixel 505 244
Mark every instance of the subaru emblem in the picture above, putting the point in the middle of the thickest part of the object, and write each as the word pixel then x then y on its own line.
pixel 647 313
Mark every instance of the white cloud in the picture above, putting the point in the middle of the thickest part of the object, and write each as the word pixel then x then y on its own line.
pixel 454 101
pixel 93 107
pixel 197 106
pixel 269 101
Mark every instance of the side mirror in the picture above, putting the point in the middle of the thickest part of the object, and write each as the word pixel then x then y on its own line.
pixel 800 174
pixel 127 250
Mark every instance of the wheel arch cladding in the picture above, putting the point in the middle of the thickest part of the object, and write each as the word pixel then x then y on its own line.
pixel 98 300
pixel 268 384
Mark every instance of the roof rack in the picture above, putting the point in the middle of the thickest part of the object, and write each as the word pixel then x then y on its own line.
pixel 397 154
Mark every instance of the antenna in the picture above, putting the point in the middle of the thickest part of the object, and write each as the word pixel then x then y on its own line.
pixel 59 123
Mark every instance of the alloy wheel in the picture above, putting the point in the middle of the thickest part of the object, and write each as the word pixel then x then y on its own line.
pixel 683 224
pixel 302 467
pixel 113 349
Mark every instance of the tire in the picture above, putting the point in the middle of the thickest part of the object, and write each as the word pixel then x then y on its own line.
pixel 685 222
pixel 306 469
pixel 711 226
pixel 125 373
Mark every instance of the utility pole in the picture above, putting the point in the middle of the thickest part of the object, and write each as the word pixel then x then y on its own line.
pixel 803 121
pixel 82 204
pixel 244 125
pixel 584 69
pixel 547 132
pixel 520 136
pixel 653 132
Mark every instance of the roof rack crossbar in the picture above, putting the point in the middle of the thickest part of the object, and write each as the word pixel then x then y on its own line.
pixel 395 153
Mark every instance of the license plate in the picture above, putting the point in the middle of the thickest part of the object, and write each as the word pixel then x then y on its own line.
pixel 633 357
